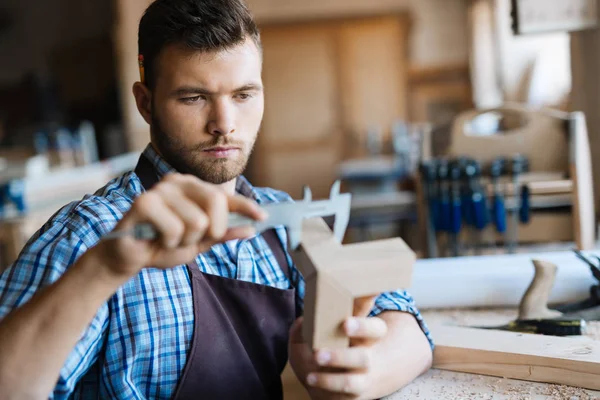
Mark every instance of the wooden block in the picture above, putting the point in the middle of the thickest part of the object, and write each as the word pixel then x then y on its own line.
pixel 571 361
pixel 335 275
pixel 292 387
pixel 584 220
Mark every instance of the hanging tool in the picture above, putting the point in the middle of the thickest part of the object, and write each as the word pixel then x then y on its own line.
pixel 465 191
pixel 428 176
pixel 443 172
pixel 477 202
pixel 518 165
pixel 455 207
pixel 525 210
pixel 288 214
pixel 498 209
pixel 12 193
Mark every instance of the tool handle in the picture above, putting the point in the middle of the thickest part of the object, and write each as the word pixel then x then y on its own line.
pixel 434 214
pixel 467 208
pixel 479 211
pixel 552 327
pixel 499 214
pixel 455 218
pixel 444 214
pixel 525 210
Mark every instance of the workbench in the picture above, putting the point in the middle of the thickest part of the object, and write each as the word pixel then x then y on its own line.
pixel 439 385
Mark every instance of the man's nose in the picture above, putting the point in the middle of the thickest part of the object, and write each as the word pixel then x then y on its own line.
pixel 222 118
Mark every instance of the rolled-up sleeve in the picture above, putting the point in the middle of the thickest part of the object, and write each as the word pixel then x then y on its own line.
pixel 44 260
pixel 401 300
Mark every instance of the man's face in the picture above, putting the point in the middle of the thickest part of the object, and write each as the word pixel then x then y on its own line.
pixel 207 109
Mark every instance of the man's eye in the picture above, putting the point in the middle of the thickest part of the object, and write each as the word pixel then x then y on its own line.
pixel 244 96
pixel 194 99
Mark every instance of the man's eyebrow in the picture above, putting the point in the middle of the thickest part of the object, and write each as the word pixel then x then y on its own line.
pixel 188 90
pixel 193 90
pixel 249 87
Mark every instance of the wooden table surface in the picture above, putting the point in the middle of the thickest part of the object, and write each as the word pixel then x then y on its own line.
pixel 437 384
pixel 442 385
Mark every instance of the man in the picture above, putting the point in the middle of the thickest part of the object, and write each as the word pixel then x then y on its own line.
pixel 203 311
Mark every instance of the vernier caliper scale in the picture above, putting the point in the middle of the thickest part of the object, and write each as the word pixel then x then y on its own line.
pixel 288 214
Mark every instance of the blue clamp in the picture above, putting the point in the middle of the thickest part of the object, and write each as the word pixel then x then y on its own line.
pixel 13 192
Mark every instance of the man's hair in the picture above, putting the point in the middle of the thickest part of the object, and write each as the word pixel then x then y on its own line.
pixel 201 25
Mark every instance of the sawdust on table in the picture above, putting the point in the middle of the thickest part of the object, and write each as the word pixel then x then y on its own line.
pixel 437 385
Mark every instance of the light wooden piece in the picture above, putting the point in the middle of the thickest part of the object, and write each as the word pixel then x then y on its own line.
pixel 535 300
pixel 580 167
pixel 335 275
pixel 537 358
pixel 541 139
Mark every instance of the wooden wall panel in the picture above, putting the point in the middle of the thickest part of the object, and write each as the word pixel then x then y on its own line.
pixel 300 81
pixel 316 168
pixel 373 69
pixel 326 83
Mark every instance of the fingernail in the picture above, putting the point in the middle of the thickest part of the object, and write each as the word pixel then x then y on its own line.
pixel 311 379
pixel 351 326
pixel 323 357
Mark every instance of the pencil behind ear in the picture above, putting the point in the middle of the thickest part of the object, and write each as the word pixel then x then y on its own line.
pixel 142 70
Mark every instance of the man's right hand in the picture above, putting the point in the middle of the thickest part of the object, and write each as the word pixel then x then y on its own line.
pixel 190 216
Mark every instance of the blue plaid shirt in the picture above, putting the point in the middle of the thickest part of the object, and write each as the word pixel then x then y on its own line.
pixel 136 345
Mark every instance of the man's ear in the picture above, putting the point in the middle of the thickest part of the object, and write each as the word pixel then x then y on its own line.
pixel 143 100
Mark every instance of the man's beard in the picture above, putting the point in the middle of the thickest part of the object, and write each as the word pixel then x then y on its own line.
pixel 190 160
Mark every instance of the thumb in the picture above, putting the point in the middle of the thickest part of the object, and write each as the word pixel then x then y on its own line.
pixel 296 331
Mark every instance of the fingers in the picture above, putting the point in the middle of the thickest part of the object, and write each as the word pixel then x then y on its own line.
pixel 215 204
pixel 150 207
pixel 363 306
pixel 194 220
pixel 245 206
pixel 349 358
pixel 347 383
pixel 187 211
pixel 365 328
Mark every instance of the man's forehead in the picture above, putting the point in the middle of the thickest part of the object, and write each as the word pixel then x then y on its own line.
pixel 236 66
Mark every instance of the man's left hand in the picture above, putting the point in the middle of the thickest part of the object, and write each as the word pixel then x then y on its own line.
pixel 340 373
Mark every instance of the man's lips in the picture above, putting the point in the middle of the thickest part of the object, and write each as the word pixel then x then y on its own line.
pixel 223 148
pixel 221 152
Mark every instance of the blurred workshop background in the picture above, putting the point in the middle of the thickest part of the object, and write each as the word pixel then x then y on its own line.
pixel 463 126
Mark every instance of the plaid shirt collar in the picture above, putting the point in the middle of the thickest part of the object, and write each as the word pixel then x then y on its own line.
pixel 242 186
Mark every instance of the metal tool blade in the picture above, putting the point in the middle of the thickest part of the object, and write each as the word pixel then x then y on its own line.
pixel 291 214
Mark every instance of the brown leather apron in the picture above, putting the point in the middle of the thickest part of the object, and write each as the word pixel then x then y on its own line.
pixel 240 339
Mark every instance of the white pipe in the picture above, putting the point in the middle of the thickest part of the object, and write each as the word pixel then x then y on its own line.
pixel 495 281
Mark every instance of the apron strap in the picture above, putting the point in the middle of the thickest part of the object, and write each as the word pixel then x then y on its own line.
pixel 146 172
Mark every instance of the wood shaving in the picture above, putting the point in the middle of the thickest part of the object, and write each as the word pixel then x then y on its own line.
pixel 561 392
